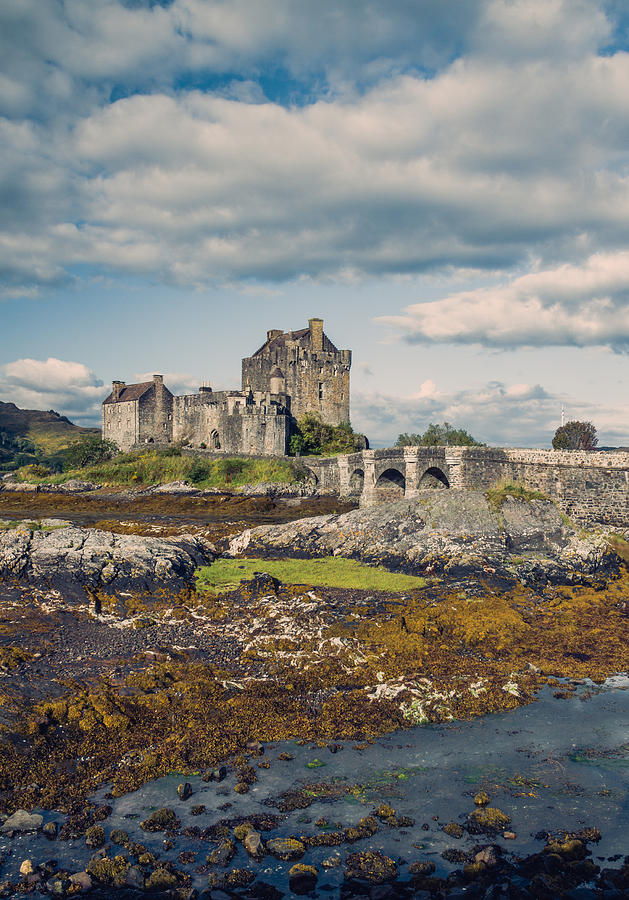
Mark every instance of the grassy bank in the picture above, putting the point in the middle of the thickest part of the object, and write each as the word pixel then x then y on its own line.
pixel 148 467
pixel 331 571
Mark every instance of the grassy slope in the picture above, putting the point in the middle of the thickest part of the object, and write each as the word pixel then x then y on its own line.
pixel 47 430
pixel 147 467
pixel 331 571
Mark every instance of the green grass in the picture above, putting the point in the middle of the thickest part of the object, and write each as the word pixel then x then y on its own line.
pixel 497 494
pixel 147 467
pixel 331 571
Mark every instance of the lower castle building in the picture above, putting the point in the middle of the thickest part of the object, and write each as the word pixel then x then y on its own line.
pixel 293 373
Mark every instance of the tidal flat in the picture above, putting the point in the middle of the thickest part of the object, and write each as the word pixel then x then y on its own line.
pixel 296 711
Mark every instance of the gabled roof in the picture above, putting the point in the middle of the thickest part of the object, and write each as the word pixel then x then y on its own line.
pixel 130 392
pixel 301 337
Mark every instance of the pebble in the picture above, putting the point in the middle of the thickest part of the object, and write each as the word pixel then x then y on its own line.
pixel 22 821
pixel 184 790
pixel 27 867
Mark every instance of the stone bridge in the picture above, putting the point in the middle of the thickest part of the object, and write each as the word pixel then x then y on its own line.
pixel 591 487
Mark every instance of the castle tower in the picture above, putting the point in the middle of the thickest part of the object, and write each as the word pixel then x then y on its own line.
pixel 314 372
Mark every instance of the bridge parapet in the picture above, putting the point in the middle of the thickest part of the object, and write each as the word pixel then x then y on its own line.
pixel 590 486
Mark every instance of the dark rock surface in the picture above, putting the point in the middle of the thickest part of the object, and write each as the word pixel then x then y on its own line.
pixel 457 533
pixel 100 559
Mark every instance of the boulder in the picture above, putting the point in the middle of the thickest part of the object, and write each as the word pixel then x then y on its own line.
pixel 22 821
pixel 99 559
pixel 456 533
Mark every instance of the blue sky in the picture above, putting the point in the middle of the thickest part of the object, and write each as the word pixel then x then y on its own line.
pixel 446 183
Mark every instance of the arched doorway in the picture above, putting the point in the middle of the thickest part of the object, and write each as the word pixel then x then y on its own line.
pixel 215 441
pixel 390 486
pixel 433 479
pixel 356 483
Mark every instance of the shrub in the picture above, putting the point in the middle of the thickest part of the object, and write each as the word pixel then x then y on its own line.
pixel 199 470
pixel 89 451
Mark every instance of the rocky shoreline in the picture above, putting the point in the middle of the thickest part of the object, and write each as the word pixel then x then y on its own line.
pixel 450 534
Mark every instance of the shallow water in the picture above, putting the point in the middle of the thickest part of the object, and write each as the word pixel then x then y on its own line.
pixel 555 764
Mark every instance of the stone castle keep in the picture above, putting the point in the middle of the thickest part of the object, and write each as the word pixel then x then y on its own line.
pixel 293 373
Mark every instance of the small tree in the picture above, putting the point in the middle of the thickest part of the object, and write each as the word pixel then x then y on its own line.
pixel 87 451
pixel 575 436
pixel 439 436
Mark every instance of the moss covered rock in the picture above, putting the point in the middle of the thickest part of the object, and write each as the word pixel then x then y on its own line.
pixel 285 848
pixel 487 820
pixel 163 819
pixel 372 866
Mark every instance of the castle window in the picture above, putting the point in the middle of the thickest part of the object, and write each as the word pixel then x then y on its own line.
pixel 320 390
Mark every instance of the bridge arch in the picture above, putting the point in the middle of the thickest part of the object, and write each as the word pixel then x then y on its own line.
pixel 390 486
pixel 356 482
pixel 433 478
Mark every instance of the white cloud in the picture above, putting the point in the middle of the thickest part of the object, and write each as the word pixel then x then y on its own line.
pixel 581 305
pixel 517 415
pixel 176 382
pixel 68 387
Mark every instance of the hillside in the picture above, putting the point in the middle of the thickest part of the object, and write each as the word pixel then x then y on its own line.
pixel 27 435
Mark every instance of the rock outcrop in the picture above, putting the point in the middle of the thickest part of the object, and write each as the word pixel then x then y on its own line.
pixel 457 533
pixel 99 559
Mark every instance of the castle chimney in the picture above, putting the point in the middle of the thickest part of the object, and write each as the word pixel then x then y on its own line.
pixel 159 380
pixel 117 388
pixel 273 333
pixel 316 333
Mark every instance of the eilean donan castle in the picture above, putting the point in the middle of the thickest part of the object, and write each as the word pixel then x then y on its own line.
pixel 293 373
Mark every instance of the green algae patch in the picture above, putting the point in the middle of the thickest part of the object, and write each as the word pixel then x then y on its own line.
pixel 330 571
pixel 497 494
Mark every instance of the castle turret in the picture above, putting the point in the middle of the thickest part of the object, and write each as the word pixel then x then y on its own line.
pixel 277 382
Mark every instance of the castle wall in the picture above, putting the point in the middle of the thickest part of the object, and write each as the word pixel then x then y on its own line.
pixel 316 380
pixel 227 419
pixel 155 409
pixel 120 423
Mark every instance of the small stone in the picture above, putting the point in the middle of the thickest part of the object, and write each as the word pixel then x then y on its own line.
pixel 27 867
pixel 482 798
pixel 242 787
pixel 488 820
pixel 331 862
pixel 51 830
pixel 118 836
pixel 22 821
pixel 184 790
pixel 218 774
pixel 454 830
pixel 255 748
pixel 422 869
pixel 488 856
pixel 81 880
pixel 302 879
pixel 253 844
pixel 95 836
pixel 286 849
pixel 509 835
pixel 223 854
pixel 372 866
pixel 161 820
pixel 135 878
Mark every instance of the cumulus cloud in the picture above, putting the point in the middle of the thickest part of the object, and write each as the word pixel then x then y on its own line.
pixel 176 382
pixel 580 305
pixel 479 163
pixel 516 415
pixel 68 387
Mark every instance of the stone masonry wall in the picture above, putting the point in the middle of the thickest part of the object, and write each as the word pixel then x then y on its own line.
pixel 120 423
pixel 590 487
pixel 199 420
pixel 316 380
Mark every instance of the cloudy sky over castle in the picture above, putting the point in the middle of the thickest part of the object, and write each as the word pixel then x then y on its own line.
pixel 445 182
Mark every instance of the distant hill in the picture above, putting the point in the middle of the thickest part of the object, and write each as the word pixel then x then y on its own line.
pixel 30 435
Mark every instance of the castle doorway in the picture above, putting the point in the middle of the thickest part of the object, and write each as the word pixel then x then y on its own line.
pixel 215 441
pixel 390 486
pixel 433 479
pixel 356 483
